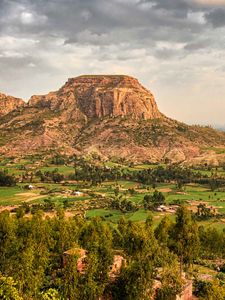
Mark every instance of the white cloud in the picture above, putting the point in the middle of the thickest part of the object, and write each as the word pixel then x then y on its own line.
pixel 31 65
pixel 32 18
pixel 27 18
pixel 196 17
pixel 15 43
pixel 161 45
pixel 16 47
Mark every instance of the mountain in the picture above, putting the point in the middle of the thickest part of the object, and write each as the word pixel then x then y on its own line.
pixel 111 115
pixel 8 104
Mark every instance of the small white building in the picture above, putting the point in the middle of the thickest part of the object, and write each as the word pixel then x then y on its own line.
pixel 77 193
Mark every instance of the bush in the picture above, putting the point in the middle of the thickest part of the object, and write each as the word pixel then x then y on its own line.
pixel 6 179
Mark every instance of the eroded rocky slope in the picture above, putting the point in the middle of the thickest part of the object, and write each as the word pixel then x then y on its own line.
pixel 9 103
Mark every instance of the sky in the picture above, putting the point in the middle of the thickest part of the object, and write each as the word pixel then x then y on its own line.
pixel 176 48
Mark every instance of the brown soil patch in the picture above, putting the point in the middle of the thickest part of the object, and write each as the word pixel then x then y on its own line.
pixel 32 196
pixel 8 207
pixel 165 190
pixel 52 214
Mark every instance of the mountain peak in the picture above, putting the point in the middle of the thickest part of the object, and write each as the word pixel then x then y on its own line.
pixel 102 114
pixel 114 78
pixel 97 96
pixel 109 81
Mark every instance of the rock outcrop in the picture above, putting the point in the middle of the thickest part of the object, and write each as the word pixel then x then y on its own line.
pixel 101 96
pixel 9 103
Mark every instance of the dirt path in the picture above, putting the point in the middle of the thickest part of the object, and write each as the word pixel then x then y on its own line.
pixel 30 196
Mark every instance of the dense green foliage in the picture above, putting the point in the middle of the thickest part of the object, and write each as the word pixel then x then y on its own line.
pixel 153 201
pixel 6 179
pixel 33 245
pixel 33 265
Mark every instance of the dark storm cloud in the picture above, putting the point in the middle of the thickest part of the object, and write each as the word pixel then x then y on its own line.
pixel 134 24
pixel 179 7
pixel 216 17
pixel 99 21
pixel 42 42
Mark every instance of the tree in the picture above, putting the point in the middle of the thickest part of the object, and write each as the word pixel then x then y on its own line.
pixel 50 294
pixel 152 202
pixel 123 204
pixel 96 237
pixel 185 237
pixel 8 242
pixel 135 282
pixel 212 242
pixel 8 290
pixel 203 211
pixel 171 282
pixel 70 279
pixel 94 280
pixel 180 184
pixel 34 254
pixel 163 231
pixel 206 290
pixel 57 177
pixel 6 179
pixel 214 184
pixel 65 234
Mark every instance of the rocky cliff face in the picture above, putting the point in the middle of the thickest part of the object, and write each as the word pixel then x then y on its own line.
pixel 101 96
pixel 114 116
pixel 8 104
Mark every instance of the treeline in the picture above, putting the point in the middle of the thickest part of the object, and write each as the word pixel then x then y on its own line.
pixel 32 264
pixel 96 174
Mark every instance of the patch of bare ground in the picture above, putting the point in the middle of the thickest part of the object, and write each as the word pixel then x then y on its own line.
pixel 166 190
pixel 206 277
pixel 52 214
pixel 29 196
pixel 194 204
pixel 8 207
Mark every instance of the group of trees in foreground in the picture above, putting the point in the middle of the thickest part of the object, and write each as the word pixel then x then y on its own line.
pixel 32 251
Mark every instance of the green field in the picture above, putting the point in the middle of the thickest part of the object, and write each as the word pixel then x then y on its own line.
pixel 92 197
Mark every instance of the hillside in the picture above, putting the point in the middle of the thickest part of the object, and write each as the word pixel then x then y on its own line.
pixel 114 116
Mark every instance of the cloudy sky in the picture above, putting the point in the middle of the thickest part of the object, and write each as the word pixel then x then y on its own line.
pixel 176 48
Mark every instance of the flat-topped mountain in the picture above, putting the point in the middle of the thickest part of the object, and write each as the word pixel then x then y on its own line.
pixel 9 103
pixel 102 96
pixel 112 115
